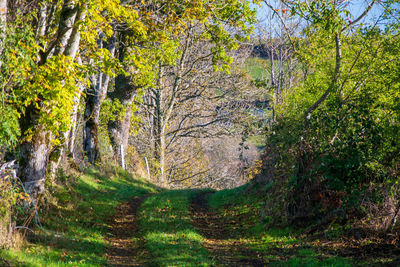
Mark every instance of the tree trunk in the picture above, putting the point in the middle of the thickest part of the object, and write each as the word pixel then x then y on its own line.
pixel 41 28
pixel 3 14
pixel 159 134
pixel 34 155
pixel 74 125
pixel 90 128
pixel 119 133
pixel 119 129
pixel 71 50
pixel 65 28
pixel 94 100
pixel 161 157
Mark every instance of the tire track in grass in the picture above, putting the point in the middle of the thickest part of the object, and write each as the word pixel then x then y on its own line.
pixel 218 240
pixel 125 246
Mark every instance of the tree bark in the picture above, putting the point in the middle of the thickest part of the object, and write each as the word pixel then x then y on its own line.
pixel 70 144
pixel 90 134
pixel 34 154
pixel 119 133
pixel 159 134
pixel 65 28
pixel 119 129
pixel 3 14
pixel 94 99
pixel 71 50
pixel 41 28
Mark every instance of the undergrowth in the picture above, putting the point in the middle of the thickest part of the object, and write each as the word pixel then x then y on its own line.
pixel 74 218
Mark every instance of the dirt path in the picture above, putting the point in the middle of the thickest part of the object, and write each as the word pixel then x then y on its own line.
pixel 124 251
pixel 228 250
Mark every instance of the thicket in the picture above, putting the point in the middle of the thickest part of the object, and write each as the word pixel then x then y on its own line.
pixel 333 147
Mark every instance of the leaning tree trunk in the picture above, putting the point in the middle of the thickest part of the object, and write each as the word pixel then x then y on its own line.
pixel 119 129
pixel 70 50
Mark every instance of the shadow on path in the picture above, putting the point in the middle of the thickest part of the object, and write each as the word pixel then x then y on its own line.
pixel 227 249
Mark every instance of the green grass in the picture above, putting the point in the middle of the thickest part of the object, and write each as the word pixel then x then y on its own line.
pixel 307 257
pixel 257 68
pixel 258 140
pixel 168 232
pixel 75 221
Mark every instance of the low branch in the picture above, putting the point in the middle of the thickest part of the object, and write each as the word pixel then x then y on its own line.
pixel 369 7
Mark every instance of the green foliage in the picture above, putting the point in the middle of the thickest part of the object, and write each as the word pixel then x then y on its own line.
pixel 10 194
pixel 49 88
pixel 110 110
pixel 9 127
pixel 52 90
pixel 349 145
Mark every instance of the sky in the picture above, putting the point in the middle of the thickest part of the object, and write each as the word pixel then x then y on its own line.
pixel 356 8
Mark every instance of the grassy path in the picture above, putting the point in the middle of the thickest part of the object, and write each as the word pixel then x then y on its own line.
pixel 103 219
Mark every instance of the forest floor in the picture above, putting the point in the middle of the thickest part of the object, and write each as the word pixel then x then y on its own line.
pixel 113 219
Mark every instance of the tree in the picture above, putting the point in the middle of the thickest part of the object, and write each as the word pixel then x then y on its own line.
pixel 43 83
pixel 184 99
pixel 95 96
pixel 35 125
